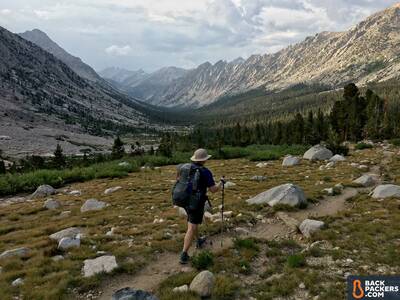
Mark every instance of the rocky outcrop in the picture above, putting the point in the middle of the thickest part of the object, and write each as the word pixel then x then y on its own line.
pixel 203 284
pixel 366 52
pixel 102 264
pixel 386 191
pixel 318 152
pixel 288 194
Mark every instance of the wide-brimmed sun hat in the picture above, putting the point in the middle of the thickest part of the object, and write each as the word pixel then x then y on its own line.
pixel 200 155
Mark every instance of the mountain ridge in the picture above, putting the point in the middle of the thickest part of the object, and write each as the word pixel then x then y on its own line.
pixel 41 39
pixel 367 52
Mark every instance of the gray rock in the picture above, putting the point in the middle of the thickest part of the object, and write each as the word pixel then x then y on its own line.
pixel 181 289
pixel 132 294
pixel 92 204
pixel 203 284
pixel 337 157
pixel 112 190
pixel 290 161
pixel 68 242
pixel 75 193
pixel 289 194
pixel 43 191
pixel 17 282
pixel 229 184
pixel 20 252
pixel 367 180
pixel 65 214
pixel 102 264
pixel 70 232
pixel 57 258
pixel 318 152
pixel 309 227
pixel 386 191
pixel 258 178
pixel 51 204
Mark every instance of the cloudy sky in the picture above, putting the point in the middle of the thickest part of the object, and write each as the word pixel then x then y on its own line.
pixel 150 34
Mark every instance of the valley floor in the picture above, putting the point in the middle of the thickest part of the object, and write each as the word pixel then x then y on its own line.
pixel 271 261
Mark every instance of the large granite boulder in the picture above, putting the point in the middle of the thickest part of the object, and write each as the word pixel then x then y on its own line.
pixel 69 242
pixel 318 152
pixel 43 191
pixel 93 204
pixel 290 161
pixel 70 232
pixel 203 284
pixel 288 194
pixel 102 264
pixel 386 191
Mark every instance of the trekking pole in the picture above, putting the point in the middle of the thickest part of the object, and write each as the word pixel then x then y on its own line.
pixel 222 207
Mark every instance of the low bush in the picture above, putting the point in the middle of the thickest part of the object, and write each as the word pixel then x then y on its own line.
pixel 296 261
pixel 203 260
pixel 362 146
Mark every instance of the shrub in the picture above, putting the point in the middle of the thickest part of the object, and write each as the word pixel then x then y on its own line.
pixel 246 244
pixel 203 260
pixel 362 146
pixel 296 261
pixel 395 142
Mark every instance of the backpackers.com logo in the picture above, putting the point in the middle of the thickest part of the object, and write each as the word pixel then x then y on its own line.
pixel 373 287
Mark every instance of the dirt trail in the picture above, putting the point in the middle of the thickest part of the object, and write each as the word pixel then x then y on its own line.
pixel 167 263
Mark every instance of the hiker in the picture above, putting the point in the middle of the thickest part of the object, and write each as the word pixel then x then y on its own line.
pixel 195 209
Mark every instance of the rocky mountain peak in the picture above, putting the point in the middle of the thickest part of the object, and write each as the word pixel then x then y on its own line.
pixel 42 40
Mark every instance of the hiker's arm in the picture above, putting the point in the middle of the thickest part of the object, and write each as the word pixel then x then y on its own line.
pixel 214 188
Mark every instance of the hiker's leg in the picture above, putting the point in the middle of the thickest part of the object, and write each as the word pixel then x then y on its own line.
pixel 190 234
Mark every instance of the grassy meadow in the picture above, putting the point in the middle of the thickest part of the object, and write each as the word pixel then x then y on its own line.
pixel 241 270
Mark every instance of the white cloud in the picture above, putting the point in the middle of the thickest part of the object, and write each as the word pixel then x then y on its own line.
pixel 5 12
pixel 180 32
pixel 118 50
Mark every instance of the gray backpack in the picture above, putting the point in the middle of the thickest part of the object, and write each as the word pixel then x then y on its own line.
pixel 185 192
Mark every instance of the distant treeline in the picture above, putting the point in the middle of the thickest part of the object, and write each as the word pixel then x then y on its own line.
pixel 352 118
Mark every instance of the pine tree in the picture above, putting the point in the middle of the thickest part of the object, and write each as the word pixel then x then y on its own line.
pixel 2 167
pixel 165 147
pixel 375 116
pixel 118 150
pixel 59 160
pixel 298 130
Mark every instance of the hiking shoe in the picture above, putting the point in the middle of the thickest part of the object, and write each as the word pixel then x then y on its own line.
pixel 200 242
pixel 184 259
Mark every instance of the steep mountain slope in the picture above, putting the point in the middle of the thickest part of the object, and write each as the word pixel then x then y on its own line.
pixel 120 75
pixel 150 86
pixel 75 63
pixel 368 52
pixel 37 90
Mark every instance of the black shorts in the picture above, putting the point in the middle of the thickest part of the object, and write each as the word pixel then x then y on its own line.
pixel 195 216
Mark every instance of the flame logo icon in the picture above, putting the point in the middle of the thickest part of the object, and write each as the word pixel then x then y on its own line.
pixel 358 292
